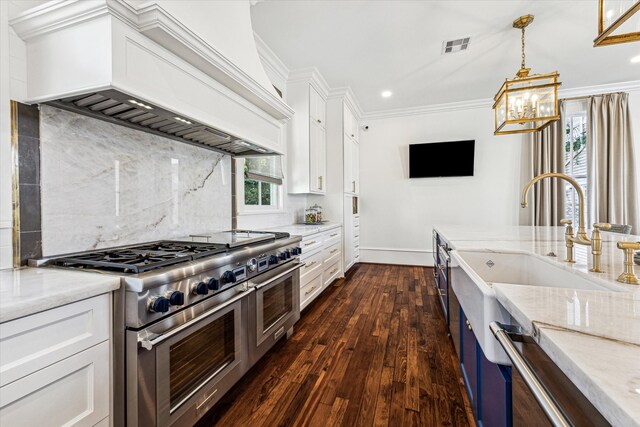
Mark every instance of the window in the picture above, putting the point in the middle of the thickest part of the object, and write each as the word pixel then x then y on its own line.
pixel 575 158
pixel 259 186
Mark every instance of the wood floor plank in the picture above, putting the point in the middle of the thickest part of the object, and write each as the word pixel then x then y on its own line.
pixel 372 350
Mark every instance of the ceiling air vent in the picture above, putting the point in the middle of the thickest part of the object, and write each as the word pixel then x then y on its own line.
pixel 453 46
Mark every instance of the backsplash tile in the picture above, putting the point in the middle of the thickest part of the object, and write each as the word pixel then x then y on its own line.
pixel 106 185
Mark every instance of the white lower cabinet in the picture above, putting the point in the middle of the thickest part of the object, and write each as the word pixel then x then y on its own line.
pixel 55 366
pixel 72 392
pixel 322 256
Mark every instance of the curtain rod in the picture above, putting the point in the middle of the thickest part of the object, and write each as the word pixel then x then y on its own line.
pixel 575 98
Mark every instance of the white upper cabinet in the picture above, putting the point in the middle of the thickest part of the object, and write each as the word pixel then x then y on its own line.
pixel 307 141
pixel 351 153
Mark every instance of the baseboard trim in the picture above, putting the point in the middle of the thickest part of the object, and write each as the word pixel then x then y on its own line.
pixel 393 256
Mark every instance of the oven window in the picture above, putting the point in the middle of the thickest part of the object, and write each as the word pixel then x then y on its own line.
pixel 276 303
pixel 200 355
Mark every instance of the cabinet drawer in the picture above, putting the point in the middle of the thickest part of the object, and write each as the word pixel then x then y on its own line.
pixel 36 341
pixel 331 273
pixel 312 266
pixel 310 243
pixel 74 391
pixel 332 237
pixel 332 253
pixel 310 291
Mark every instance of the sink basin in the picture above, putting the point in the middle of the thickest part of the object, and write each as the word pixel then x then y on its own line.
pixel 474 272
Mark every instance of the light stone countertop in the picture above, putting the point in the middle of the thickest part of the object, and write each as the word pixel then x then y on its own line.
pixel 305 230
pixel 592 336
pixel 31 290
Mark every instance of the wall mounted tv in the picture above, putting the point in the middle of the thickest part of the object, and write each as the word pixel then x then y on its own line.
pixel 441 159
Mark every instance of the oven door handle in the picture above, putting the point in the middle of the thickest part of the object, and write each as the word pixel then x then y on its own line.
pixel 554 413
pixel 150 343
pixel 278 276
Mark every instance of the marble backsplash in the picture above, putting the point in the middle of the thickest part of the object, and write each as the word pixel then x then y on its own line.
pixel 106 185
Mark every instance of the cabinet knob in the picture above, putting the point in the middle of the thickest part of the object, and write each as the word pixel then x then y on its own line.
pixel 319 121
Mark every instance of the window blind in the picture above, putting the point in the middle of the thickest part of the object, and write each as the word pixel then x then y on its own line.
pixel 264 168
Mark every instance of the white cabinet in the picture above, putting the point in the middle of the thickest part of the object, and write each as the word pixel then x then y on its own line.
pixel 322 256
pixel 307 141
pixel 351 166
pixel 56 365
pixel 351 232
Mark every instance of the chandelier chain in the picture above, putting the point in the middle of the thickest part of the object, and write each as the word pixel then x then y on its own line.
pixel 523 65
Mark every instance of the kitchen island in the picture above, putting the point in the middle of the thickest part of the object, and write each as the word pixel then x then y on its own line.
pixel 591 334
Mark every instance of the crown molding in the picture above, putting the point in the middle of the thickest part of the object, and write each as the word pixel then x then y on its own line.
pixel 347 95
pixel 599 89
pixel 488 102
pixel 429 109
pixel 312 75
pixel 270 59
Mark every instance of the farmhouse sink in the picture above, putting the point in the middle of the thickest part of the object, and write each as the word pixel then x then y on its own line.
pixel 473 274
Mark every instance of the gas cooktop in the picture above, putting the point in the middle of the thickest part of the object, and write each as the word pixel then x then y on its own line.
pixel 140 258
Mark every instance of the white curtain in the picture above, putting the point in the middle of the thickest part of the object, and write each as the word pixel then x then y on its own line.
pixel 612 192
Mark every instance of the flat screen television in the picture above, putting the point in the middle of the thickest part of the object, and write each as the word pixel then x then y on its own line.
pixel 441 159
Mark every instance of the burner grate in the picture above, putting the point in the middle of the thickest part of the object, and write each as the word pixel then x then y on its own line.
pixel 141 258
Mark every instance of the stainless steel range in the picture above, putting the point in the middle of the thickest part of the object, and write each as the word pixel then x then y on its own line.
pixel 192 317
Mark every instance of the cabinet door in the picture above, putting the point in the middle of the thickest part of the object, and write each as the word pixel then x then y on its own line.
pixel 355 166
pixel 348 232
pixel 469 361
pixel 355 129
pixel 495 394
pixel 74 391
pixel 347 120
pixel 317 107
pixel 348 163
pixel 317 158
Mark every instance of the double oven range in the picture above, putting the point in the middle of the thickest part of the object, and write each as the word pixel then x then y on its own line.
pixel 192 317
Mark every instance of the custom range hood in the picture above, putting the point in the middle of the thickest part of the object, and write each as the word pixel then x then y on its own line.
pixel 186 70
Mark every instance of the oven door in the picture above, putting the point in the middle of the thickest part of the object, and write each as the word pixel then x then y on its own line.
pixel 181 372
pixel 274 308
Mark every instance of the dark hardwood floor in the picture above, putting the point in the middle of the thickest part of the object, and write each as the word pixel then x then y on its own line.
pixel 372 350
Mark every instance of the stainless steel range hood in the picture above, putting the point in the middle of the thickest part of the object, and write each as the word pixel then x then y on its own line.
pixel 122 109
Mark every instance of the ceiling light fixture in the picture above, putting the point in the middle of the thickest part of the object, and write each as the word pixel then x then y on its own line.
pixel 617 13
pixel 635 60
pixel 386 93
pixel 526 103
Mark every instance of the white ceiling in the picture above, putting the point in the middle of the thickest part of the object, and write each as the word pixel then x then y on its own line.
pixel 396 45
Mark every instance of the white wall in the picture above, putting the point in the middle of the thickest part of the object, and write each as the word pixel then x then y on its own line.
pixel 397 213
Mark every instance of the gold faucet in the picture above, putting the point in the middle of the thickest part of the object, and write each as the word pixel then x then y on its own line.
pixel 580 237
pixel 628 275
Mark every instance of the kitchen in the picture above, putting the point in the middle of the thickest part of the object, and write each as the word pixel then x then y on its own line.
pixel 319 213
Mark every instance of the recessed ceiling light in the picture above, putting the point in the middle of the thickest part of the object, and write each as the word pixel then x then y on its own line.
pixel 386 93
pixel 635 59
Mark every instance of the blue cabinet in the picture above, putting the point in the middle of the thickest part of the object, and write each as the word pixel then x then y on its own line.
pixel 488 385
pixel 495 391
pixel 469 361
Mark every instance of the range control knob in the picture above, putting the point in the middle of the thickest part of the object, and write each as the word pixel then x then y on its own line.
pixel 273 259
pixel 214 284
pixel 252 265
pixel 282 256
pixel 296 251
pixel 159 305
pixel 287 252
pixel 176 297
pixel 228 277
pixel 200 289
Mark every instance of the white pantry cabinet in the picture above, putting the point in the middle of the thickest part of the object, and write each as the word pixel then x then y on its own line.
pixel 351 166
pixel 56 367
pixel 307 141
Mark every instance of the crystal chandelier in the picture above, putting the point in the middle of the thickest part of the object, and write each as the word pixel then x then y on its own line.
pixel 526 103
